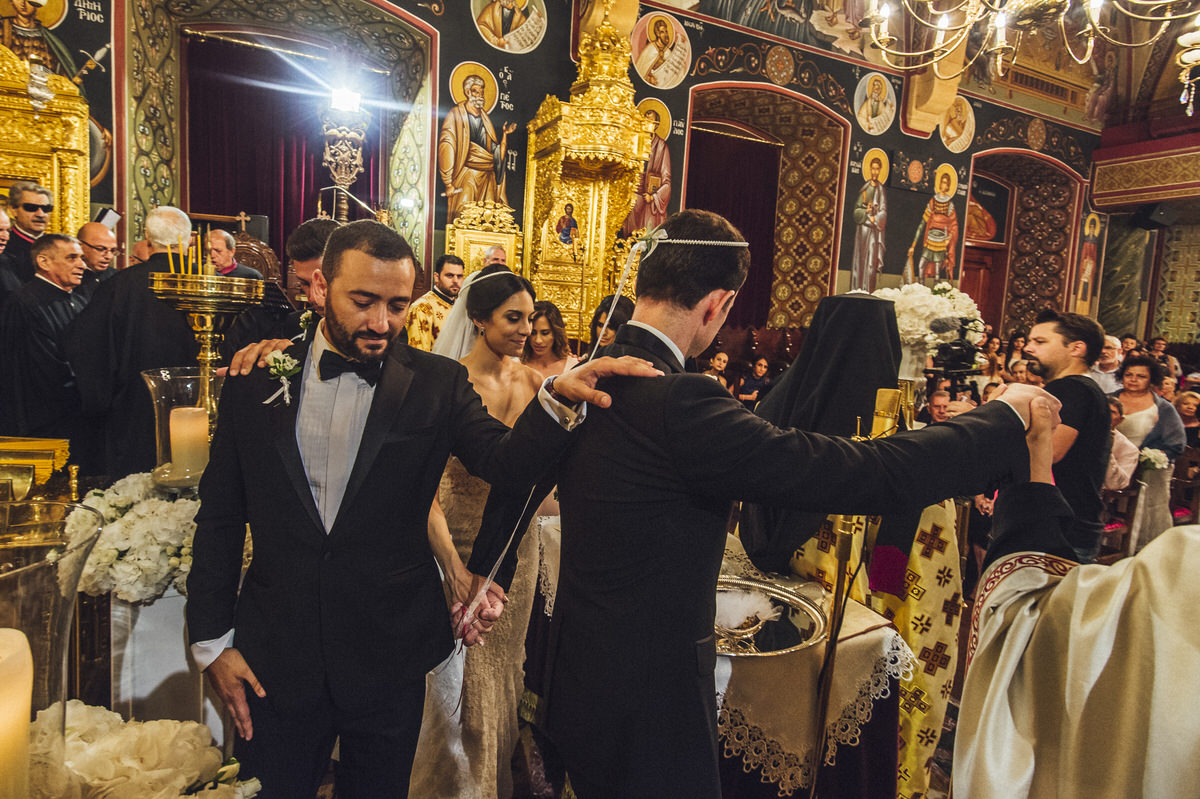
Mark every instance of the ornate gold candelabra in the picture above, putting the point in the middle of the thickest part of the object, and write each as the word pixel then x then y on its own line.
pixel 344 132
pixel 211 303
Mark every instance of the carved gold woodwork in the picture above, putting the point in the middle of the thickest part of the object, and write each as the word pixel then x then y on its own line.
pixel 480 226
pixel 49 146
pixel 589 153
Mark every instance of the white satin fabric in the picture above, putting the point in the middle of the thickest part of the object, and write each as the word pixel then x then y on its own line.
pixel 1084 680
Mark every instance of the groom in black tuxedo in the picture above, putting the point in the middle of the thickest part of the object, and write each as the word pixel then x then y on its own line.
pixel 341 612
pixel 645 491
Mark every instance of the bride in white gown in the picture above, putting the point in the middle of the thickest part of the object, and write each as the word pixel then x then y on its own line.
pixel 469 729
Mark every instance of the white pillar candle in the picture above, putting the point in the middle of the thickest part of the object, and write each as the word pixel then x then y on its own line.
pixel 16 694
pixel 189 440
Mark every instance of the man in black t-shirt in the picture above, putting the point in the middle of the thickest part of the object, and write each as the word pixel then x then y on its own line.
pixel 1061 349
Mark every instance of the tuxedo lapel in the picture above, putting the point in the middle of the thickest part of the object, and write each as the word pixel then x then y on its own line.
pixel 394 383
pixel 283 431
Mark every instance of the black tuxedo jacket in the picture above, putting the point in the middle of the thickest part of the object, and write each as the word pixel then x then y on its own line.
pixel 360 608
pixel 645 492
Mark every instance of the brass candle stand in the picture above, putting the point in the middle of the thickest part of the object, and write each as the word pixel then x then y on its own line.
pixel 211 303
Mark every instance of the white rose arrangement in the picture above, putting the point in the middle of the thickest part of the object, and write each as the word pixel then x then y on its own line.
pixel 108 757
pixel 145 544
pixel 917 305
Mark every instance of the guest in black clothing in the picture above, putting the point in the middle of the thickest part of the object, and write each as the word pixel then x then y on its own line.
pixel 1061 349
pixel 9 282
pixel 37 387
pixel 754 385
pixel 620 315
pixel 99 251
pixel 1186 403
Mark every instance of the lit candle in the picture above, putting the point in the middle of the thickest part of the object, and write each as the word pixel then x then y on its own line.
pixel 941 32
pixel 16 694
pixel 1001 29
pixel 1094 9
pixel 885 12
pixel 189 440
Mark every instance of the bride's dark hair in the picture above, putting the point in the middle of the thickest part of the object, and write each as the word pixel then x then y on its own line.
pixel 486 295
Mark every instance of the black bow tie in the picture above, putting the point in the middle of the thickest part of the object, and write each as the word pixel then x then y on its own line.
pixel 332 365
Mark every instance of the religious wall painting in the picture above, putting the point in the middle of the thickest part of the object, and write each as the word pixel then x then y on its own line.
pixel 1091 256
pixel 472 148
pixel 874 103
pixel 654 186
pixel 870 221
pixel 1035 134
pixel 662 51
pixel 514 26
pixel 912 172
pixel 779 64
pixel 565 240
pixel 831 25
pixel 1045 79
pixel 72 40
pixel 987 211
pixel 933 252
pixel 958 126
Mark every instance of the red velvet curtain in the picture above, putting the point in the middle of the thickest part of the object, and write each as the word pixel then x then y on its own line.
pixel 254 139
pixel 746 197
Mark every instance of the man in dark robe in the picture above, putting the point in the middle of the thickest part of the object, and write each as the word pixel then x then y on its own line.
pixel 124 330
pixel 99 251
pixel 29 206
pixel 9 282
pixel 37 388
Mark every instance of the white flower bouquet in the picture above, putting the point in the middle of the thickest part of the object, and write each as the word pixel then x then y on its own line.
pixel 145 544
pixel 917 305
pixel 1151 458
pixel 108 757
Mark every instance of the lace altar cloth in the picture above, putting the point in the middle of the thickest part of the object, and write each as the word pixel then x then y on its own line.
pixel 768 704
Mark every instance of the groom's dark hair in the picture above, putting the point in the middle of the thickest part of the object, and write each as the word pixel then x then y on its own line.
pixel 683 274
pixel 366 235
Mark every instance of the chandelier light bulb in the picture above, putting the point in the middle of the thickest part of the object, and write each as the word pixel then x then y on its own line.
pixel 1094 9
pixel 1001 23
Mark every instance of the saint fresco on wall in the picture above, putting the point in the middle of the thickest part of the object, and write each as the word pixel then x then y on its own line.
pixel 654 186
pixel 1091 251
pixel 931 256
pixel 874 103
pixel 958 126
pixel 472 149
pixel 870 222
pixel 662 51
pixel 515 26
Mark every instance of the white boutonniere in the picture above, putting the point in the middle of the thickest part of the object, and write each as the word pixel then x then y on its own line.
pixel 307 320
pixel 282 366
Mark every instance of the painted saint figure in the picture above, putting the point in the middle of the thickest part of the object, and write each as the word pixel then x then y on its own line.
pixel 655 55
pixel 876 113
pixel 567 228
pixel 498 19
pixel 654 187
pixel 936 236
pixel 870 218
pixel 28 38
pixel 470 155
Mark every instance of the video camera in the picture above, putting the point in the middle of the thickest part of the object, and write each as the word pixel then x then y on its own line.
pixel 954 359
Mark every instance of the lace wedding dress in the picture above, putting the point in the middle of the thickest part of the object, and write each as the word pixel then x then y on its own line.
pixel 469 729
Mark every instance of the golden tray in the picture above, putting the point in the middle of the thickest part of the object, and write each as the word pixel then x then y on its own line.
pixel 807 616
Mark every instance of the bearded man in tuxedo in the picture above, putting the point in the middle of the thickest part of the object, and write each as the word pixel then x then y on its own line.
pixel 332 458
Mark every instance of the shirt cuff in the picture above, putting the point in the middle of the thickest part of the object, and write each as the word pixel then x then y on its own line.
pixel 205 652
pixel 568 416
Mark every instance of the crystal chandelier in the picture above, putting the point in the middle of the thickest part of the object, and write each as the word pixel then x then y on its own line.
pixel 1189 57
pixel 993 29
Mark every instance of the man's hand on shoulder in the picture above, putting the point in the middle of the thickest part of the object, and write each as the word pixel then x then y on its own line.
pixel 251 355
pixel 579 384
pixel 1018 396
pixel 226 675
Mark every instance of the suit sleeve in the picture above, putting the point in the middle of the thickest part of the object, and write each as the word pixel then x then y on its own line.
pixel 220 526
pixel 724 450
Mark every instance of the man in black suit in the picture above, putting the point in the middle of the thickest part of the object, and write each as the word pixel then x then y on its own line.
pixel 342 613
pixel 645 492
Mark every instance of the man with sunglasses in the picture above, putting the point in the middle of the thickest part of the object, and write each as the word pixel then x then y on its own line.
pixel 29 206
pixel 99 251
